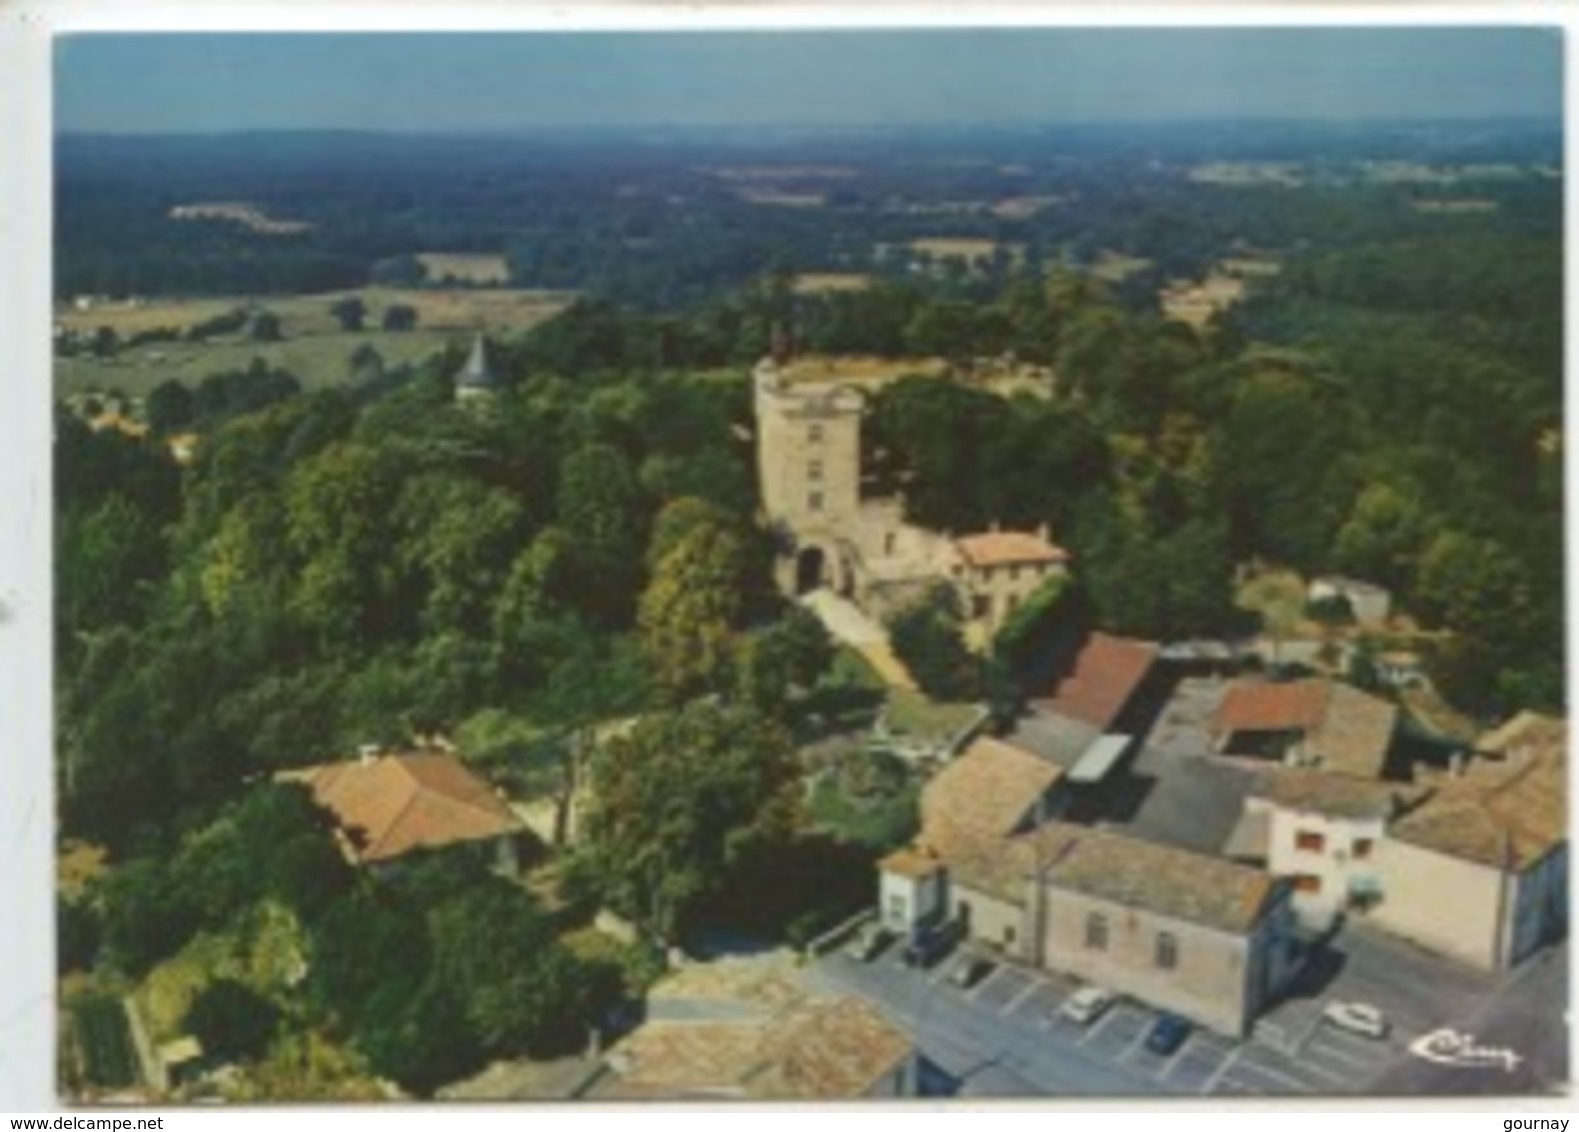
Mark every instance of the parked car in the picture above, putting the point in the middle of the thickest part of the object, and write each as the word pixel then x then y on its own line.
pixel 970 970
pixel 869 942
pixel 1086 1005
pixel 1168 1033
pixel 930 942
pixel 1358 1018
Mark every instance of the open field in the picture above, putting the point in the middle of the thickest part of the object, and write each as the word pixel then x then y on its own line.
pixel 314 347
pixel 244 213
pixel 465 267
pixel 782 198
pixel 1113 267
pixel 1464 205
pixel 1023 208
pixel 827 282
pixel 966 248
pixel 1286 174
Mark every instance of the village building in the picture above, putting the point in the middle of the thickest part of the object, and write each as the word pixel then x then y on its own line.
pixel 389 806
pixel 1188 931
pixel 997 571
pixel 772 1042
pixel 808 435
pixel 1094 706
pixel 1323 832
pixel 1496 839
pixel 1192 933
pixel 1371 604
pixel 1316 723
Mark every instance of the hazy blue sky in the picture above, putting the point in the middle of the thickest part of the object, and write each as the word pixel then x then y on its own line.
pixel 506 81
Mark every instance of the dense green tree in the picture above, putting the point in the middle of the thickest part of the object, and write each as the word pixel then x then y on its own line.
pixel 680 801
pixel 400 317
pixel 791 653
pixel 928 637
pixel 232 1021
pixel 350 312
pixel 692 608
pixel 169 408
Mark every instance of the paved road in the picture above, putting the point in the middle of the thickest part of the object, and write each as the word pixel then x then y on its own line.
pixel 848 624
pixel 1003 1037
pixel 1529 1018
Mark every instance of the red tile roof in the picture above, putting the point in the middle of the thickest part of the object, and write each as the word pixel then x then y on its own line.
pixel 1106 674
pixel 1007 548
pixel 393 804
pixel 1344 729
pixel 1298 706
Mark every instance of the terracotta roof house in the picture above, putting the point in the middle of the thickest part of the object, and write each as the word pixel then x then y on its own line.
pixel 991 790
pixel 995 571
pixel 1497 839
pixel 1087 720
pixel 992 549
pixel 1193 933
pixel 391 805
pixel 1107 672
pixel 1312 723
pixel 969 811
pixel 806 1050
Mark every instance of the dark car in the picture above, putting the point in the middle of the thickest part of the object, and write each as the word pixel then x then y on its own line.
pixel 931 942
pixel 869 942
pixel 1168 1033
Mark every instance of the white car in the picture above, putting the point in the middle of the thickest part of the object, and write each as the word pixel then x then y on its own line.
pixel 1086 1005
pixel 1357 1018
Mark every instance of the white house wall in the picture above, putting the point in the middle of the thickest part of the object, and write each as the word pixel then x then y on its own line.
pixel 1336 864
pixel 1444 903
pixel 1209 983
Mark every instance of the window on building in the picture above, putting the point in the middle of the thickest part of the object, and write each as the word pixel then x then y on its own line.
pixel 1307 883
pixel 814 501
pixel 1309 841
pixel 1362 848
pixel 896 909
pixel 1014 573
pixel 1096 931
pixel 1167 950
pixel 1008 936
pixel 814 434
pixel 981 606
pixel 814 470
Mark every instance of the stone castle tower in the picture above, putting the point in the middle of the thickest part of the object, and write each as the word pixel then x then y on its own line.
pixel 809 467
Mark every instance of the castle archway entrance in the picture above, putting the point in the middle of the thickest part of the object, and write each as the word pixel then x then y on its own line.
pixel 810 570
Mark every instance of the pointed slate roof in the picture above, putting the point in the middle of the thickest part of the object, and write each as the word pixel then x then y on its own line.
pixel 478 373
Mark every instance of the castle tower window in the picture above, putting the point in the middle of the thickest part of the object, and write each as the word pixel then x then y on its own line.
pixel 814 470
pixel 814 501
pixel 814 434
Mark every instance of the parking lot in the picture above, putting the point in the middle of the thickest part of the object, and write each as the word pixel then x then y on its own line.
pixel 1004 1034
